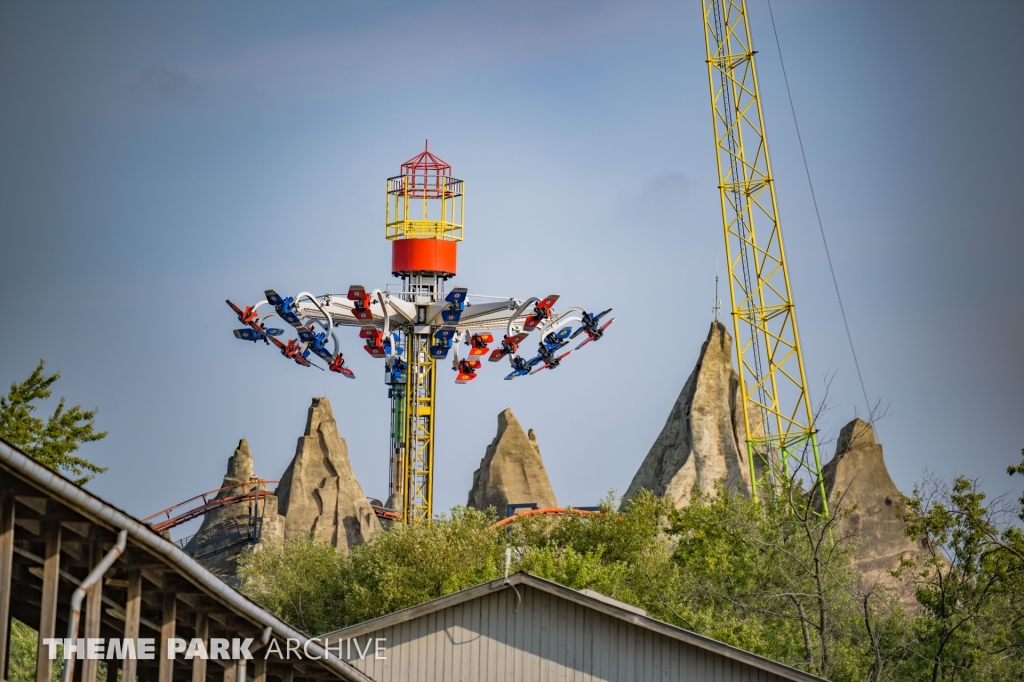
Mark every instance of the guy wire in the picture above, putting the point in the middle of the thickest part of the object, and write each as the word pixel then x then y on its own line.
pixel 814 199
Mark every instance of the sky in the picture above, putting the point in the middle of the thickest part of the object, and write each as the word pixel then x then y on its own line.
pixel 158 158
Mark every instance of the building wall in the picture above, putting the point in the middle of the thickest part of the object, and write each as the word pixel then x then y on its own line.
pixel 494 638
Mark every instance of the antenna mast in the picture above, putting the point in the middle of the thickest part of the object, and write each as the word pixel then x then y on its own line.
pixel 716 305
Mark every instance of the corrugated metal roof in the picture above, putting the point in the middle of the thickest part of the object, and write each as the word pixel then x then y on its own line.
pixel 604 606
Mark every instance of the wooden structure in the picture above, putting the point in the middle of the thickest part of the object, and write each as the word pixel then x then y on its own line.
pixel 524 628
pixel 53 533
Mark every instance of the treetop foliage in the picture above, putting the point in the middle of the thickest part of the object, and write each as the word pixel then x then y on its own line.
pixel 971 585
pixel 51 442
pixel 772 576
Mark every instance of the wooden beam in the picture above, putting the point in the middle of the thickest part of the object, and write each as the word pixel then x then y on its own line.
pixel 53 512
pixel 156 574
pixel 48 608
pixel 202 633
pixel 14 486
pixel 289 673
pixel 93 613
pixel 170 615
pixel 173 582
pixel 132 611
pixel 6 574
pixel 75 550
pixel 259 669
pixel 217 617
pixel 82 529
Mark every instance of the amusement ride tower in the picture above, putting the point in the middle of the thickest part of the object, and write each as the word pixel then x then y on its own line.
pixel 412 325
pixel 423 221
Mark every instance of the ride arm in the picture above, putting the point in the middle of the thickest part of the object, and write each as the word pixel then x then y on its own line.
pixel 330 322
pixel 379 295
pixel 404 309
pixel 519 311
pixel 560 320
pixel 481 311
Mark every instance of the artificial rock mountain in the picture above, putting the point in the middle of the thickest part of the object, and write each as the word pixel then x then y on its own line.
pixel 511 471
pixel 704 438
pixel 224 530
pixel 857 483
pixel 319 493
pixel 703 441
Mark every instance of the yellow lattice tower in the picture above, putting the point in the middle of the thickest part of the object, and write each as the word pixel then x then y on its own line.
pixel 418 493
pixel 777 409
pixel 423 221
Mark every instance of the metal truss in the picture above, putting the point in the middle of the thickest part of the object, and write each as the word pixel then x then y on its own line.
pixel 418 462
pixel 776 409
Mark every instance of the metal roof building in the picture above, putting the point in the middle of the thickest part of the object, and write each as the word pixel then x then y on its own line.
pixel 525 629
pixel 56 536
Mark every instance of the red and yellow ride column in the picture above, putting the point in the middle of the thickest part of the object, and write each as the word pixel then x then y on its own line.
pixel 423 221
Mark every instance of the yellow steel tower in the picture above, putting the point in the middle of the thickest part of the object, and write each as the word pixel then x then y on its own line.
pixel 777 408
pixel 423 220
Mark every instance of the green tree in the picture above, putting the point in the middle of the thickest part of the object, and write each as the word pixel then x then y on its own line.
pixel 621 553
pixel 776 577
pixel 300 580
pixel 971 586
pixel 762 577
pixel 1015 534
pixel 51 442
pixel 414 563
pixel 318 589
pixel 21 657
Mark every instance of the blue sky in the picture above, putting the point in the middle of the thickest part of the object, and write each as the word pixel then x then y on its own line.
pixel 157 158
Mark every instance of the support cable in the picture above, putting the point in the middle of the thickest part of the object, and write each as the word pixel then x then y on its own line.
pixel 817 213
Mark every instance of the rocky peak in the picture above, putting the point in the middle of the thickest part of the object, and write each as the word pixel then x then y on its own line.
pixel 319 492
pixel 704 438
pixel 858 483
pixel 240 468
pixel 223 533
pixel 856 434
pixel 511 470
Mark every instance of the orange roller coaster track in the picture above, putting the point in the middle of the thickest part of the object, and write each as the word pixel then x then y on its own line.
pixel 209 502
pixel 548 511
pixel 205 503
